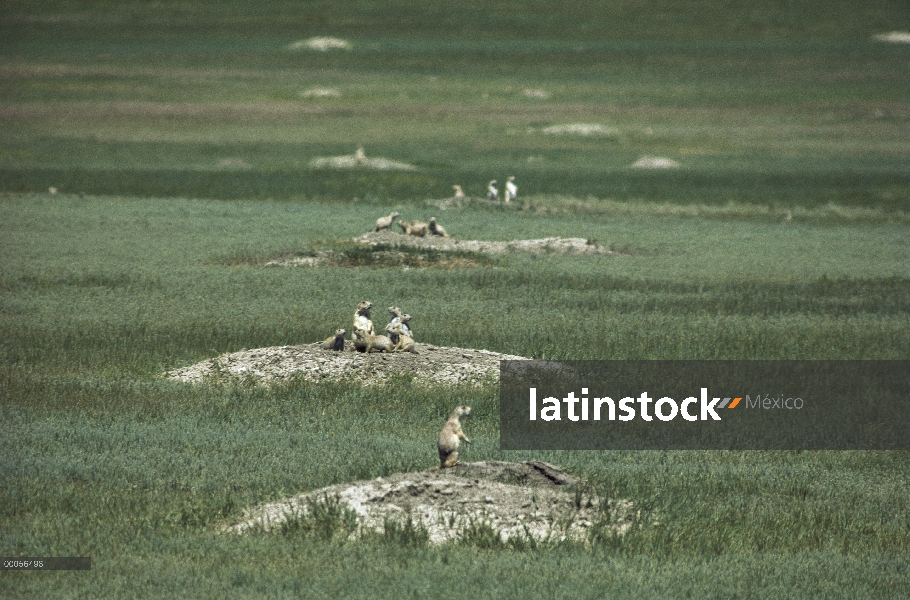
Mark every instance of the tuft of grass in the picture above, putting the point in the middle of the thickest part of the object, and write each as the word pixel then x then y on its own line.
pixel 325 519
pixel 405 533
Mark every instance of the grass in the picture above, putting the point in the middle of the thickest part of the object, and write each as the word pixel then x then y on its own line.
pixel 179 138
pixel 105 459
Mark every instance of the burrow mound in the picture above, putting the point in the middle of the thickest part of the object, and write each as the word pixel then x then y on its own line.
pixel 431 365
pixel 531 499
pixel 555 245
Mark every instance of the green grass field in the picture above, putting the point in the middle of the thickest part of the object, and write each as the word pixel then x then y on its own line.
pixel 180 137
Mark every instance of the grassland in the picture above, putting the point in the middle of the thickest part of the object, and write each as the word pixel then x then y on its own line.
pixel 180 138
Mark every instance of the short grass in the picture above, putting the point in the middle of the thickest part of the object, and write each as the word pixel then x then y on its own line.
pixel 100 294
pixel 180 137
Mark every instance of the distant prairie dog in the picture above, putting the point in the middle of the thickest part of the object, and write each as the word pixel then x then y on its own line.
pixel 336 342
pixel 385 222
pixel 373 343
pixel 436 228
pixel 450 437
pixel 401 342
pixel 459 193
pixel 511 190
pixel 418 228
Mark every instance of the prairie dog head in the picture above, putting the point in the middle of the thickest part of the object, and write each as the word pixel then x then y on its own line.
pixel 364 308
pixel 395 311
pixel 339 333
pixel 405 318
pixel 461 412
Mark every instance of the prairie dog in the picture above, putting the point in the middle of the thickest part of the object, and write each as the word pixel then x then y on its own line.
pixel 450 437
pixel 492 192
pixel 511 190
pixel 401 342
pixel 399 319
pixel 436 228
pixel 418 228
pixel 405 227
pixel 459 193
pixel 362 325
pixel 372 343
pixel 336 342
pixel 385 222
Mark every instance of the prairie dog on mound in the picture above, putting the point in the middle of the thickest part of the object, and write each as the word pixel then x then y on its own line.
pixel 401 341
pixel 372 343
pixel 450 437
pixel 385 222
pixel 436 228
pixel 362 324
pixel 418 228
pixel 399 319
pixel 336 342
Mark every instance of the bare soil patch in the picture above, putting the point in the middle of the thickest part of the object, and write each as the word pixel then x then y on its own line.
pixel 529 501
pixel 432 365
pixel 554 245
pixel 655 162
pixel 377 257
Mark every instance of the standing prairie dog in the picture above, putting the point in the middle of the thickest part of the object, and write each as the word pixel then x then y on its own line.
pixel 399 319
pixel 450 437
pixel 362 323
pixel 385 222
pixel 492 192
pixel 459 193
pixel 511 190
pixel 336 342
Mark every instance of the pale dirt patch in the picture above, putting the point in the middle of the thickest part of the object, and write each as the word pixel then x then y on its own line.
pixel 582 129
pixel 234 163
pixel 359 160
pixel 531 499
pixel 321 44
pixel 537 94
pixel 319 92
pixel 655 162
pixel 432 365
pixel 895 37
pixel 550 245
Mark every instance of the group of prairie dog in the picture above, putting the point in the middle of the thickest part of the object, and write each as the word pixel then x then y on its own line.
pixel 418 228
pixel 399 338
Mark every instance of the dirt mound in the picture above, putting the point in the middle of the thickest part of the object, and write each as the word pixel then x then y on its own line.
pixel 359 160
pixel 895 37
pixel 551 245
pixel 583 129
pixel 524 500
pixel 431 365
pixel 321 44
pixel 655 162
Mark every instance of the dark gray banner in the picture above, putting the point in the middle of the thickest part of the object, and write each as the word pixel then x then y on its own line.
pixel 705 405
